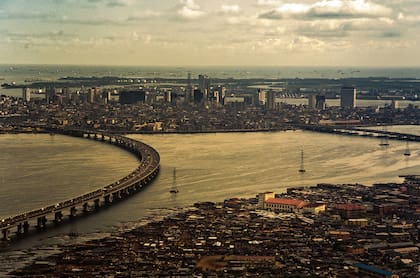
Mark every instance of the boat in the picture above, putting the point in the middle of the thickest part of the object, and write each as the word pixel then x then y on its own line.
pixel 302 168
pixel 407 150
pixel 384 138
pixel 174 188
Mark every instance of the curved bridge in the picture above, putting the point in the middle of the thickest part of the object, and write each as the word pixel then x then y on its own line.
pixel 134 182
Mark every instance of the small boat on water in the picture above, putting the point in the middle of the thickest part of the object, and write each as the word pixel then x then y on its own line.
pixel 302 168
pixel 384 138
pixel 407 150
pixel 174 188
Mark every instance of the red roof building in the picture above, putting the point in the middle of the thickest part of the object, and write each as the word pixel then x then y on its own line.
pixel 268 201
pixel 350 210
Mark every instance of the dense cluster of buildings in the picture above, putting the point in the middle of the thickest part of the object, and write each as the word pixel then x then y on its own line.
pixel 204 107
pixel 326 230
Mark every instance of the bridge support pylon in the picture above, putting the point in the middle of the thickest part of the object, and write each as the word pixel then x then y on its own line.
pixel 85 208
pixel 25 227
pixel 73 211
pixel 41 222
pixel 97 204
pixel 107 199
pixel 6 234
pixel 58 217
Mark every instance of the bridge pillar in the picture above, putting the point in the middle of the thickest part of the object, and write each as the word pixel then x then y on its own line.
pixel 97 205
pixel 116 195
pixel 107 199
pixel 41 222
pixel 102 137
pixel 124 193
pixel 73 211
pixel 25 227
pixel 58 216
pixel 85 208
pixel 95 136
pixel 6 234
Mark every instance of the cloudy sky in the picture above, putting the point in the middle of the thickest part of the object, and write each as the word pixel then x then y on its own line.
pixel 211 32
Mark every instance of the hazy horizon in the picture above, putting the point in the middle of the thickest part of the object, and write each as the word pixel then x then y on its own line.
pixel 263 33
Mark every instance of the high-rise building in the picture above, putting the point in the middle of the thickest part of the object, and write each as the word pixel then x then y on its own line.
pixel 189 90
pixel 312 101
pixel 261 97
pixel 270 103
pixel 221 93
pixel 348 97
pixel 50 94
pixel 204 84
pixel 132 97
pixel 26 94
pixel 320 102
pixel 198 96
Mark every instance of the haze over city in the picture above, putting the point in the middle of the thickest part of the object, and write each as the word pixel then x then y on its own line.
pixel 196 32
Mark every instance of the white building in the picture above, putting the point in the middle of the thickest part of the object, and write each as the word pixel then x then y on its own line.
pixel 26 94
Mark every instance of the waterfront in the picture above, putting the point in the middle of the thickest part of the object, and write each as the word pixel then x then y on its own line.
pixel 206 171
pixel 359 103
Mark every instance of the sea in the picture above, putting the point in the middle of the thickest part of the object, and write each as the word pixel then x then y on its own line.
pixel 38 170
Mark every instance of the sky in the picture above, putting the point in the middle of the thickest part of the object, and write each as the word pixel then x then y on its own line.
pixel 372 33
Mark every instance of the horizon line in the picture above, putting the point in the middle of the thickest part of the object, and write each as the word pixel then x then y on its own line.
pixel 212 66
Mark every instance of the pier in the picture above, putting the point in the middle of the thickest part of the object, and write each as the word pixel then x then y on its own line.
pixel 140 177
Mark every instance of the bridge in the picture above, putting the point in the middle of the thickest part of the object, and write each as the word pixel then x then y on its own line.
pixel 359 131
pixel 105 196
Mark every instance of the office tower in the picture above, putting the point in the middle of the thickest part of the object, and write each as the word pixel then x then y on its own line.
pixel 198 96
pixel 106 97
pixel 320 102
pixel 189 90
pixel 132 97
pixel 50 94
pixel 270 98
pixel 204 84
pixel 312 101
pixel 348 97
pixel 261 97
pixel 26 94
pixel 91 95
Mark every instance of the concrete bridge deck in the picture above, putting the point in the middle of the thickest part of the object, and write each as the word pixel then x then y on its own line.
pixel 135 181
pixel 359 131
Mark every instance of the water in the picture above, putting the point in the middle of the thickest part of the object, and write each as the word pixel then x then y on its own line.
pixel 40 169
pixel 20 73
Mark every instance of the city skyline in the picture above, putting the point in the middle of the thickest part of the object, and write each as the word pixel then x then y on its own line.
pixel 197 32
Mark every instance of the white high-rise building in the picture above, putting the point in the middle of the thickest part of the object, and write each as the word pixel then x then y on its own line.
pixel 26 94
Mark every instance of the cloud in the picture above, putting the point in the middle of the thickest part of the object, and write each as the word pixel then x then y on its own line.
pixel 230 8
pixel 115 3
pixel 328 9
pixel 144 15
pixel 189 10
pixel 268 2
pixel 391 34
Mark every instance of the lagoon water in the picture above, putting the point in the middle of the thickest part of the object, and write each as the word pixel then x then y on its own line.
pixel 39 170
